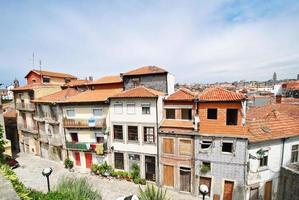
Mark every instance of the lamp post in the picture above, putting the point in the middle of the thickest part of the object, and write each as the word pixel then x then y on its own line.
pixel 204 190
pixel 47 172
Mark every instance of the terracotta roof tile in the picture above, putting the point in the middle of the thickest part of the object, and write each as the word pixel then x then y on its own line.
pixel 52 74
pixel 108 79
pixel 139 92
pixel 220 94
pixel 79 82
pixel 273 121
pixel 57 96
pixel 182 94
pixel 34 86
pixel 145 70
pixel 92 96
pixel 292 85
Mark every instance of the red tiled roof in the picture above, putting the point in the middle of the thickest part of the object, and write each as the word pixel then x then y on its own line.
pixel 51 74
pixel 92 96
pixel 145 70
pixel 57 96
pixel 74 83
pixel 34 86
pixel 139 92
pixel 220 94
pixel 292 85
pixel 182 94
pixel 108 79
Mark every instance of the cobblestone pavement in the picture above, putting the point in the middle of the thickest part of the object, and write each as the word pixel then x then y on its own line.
pixel 30 174
pixel 7 192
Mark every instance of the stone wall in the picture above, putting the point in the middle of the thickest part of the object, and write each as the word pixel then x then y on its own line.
pixel 288 187
pixel 6 190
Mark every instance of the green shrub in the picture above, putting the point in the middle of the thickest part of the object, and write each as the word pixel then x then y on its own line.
pixel 68 163
pixel 2 143
pixel 114 173
pixel 135 171
pixel 35 195
pixel 105 168
pixel 139 180
pixel 77 189
pixel 19 187
pixel 152 193
pixel 95 168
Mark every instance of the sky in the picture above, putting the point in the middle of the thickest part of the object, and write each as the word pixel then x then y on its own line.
pixel 197 41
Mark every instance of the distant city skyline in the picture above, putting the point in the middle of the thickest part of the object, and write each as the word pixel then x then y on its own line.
pixel 197 41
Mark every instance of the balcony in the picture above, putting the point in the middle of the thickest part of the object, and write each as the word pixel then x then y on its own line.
pixel 84 146
pixel 84 123
pixel 29 129
pixel 25 106
pixel 55 141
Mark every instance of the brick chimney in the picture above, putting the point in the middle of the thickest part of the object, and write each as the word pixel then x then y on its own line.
pixel 278 98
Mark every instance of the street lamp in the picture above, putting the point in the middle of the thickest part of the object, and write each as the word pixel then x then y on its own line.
pixel 47 172
pixel 204 190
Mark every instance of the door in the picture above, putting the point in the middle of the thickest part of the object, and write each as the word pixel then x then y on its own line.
pixel 206 181
pixel 168 176
pixel 268 190
pixel 150 168
pixel 77 158
pixel 185 179
pixel 88 160
pixel 228 190
pixel 254 193
pixel 44 150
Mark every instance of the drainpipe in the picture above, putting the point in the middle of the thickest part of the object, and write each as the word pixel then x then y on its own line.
pixel 158 144
pixel 64 133
pixel 282 152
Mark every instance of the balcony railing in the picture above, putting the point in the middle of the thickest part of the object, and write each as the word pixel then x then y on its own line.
pixel 84 146
pixel 29 129
pixel 25 106
pixel 84 123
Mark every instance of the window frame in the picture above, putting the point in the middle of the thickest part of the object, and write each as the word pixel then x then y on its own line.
pixel 114 132
pixel 122 162
pixel 294 153
pixel 189 110
pixel 67 112
pixel 134 108
pixel 145 135
pixel 131 126
pixel 100 111
pixel 235 123
pixel 74 133
pixel 263 160
pixel 145 105
pixel 172 148
pixel 120 106
pixel 204 142
pixel 172 109
pixel 232 147
pixel 185 154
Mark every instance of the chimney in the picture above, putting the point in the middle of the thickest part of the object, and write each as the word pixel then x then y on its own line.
pixel 278 98
pixel 90 78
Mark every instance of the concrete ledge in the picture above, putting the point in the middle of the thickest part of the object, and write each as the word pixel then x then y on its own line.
pixel 6 190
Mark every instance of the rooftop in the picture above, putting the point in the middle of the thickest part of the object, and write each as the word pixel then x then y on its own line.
pixel 217 94
pixel 108 79
pixel 57 96
pixel 145 70
pixel 35 86
pixel 182 94
pixel 51 74
pixel 139 92
pixel 78 82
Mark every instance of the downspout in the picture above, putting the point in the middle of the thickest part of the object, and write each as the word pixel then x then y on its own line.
pixel 158 144
pixel 64 133
pixel 282 152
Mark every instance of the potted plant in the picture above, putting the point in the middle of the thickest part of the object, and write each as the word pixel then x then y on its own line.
pixel 68 164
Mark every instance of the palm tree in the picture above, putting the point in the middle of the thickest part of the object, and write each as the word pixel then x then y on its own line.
pixel 152 193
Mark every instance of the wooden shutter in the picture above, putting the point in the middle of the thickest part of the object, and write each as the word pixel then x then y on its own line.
pixel 228 190
pixel 168 176
pixel 185 147
pixel 206 181
pixel 185 179
pixel 168 145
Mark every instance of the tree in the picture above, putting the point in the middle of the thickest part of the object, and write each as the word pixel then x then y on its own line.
pixel 2 143
pixel 274 78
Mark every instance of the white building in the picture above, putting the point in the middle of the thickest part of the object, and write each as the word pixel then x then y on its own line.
pixel 135 115
pixel 273 143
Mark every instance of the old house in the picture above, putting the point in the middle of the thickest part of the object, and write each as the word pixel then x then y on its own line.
pixel 176 141
pixel 151 77
pixel 273 133
pixel 48 117
pixel 7 146
pixel 86 126
pixel 42 76
pixel 134 118
pixel 221 145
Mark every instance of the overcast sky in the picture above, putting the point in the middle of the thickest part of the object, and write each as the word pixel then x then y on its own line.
pixel 197 41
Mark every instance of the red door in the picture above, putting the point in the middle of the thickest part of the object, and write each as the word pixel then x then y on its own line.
pixel 77 158
pixel 88 160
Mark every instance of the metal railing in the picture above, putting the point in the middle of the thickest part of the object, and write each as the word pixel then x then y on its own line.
pixel 84 123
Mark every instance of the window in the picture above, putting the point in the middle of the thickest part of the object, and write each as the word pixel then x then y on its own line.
pixel 46 80
pixel 187 114
pixel 146 109
pixel 170 113
pixel 53 111
pixel 227 147
pixel 136 82
pixel 118 160
pixel 118 108
pixel 185 179
pixel 294 156
pixel 99 138
pixel 212 113
pixel 264 159
pixel 74 137
pixel 149 133
pixel 185 147
pixel 67 80
pixel 33 81
pixel 168 145
pixel 97 112
pixel 131 108
pixel 133 133
pixel 205 144
pixel 70 113
pixel 231 116
pixel 133 159
pixel 118 132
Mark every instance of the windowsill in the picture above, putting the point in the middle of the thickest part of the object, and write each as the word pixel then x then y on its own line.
pixel 146 114
pixel 227 153
pixel 150 143
pixel 118 140
pixel 133 142
pixel 263 168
